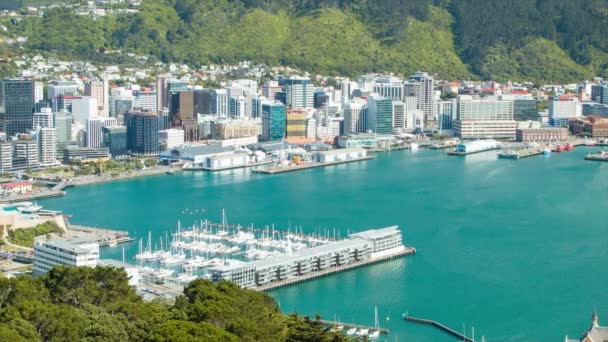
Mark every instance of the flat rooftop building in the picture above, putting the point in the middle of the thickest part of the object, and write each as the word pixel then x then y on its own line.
pixel 64 252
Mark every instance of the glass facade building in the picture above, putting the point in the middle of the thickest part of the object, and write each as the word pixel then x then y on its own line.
pixel 17 106
pixel 273 121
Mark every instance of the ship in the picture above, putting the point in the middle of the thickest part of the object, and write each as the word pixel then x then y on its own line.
pixel 558 149
pixel 568 147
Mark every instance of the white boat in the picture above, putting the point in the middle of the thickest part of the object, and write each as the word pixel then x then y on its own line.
pixel 337 328
pixel 547 151
pixel 414 146
pixel 374 335
pixel 112 243
pixel 363 332
pixel 351 331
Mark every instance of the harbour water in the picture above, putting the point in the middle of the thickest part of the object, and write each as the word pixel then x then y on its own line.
pixel 516 248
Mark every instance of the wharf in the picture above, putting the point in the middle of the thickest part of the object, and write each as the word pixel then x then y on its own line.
pixel 601 156
pixel 454 153
pixel 352 325
pixel 105 237
pixel 312 165
pixel 518 154
pixel 461 337
pixel 32 197
pixel 202 168
pixel 441 146
pixel 333 270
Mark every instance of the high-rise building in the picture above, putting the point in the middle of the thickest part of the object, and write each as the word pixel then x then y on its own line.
pixel 84 108
pixel 43 119
pixel 115 139
pixel 6 156
pixel 47 146
pixel 390 87
pixel 320 99
pixel 58 88
pixel 238 107
pixel 379 114
pixel 94 130
pixel 142 133
pixel 355 116
pixel 98 90
pixel 446 114
pixel 562 109
pixel 145 100
pixel 38 92
pixel 525 108
pixel 490 117
pixel 270 89
pixel 399 112
pixel 25 152
pixel 299 92
pixel 422 86
pixel 220 103
pixel 295 124
pixel 63 130
pixel 599 93
pixel 273 121
pixel 170 138
pixel 16 106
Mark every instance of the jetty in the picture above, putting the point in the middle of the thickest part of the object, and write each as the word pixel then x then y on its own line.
pixel 352 325
pixel 601 156
pixel 521 153
pixel 311 165
pixel 460 336
pixel 33 196
pixel 332 270
pixel 105 237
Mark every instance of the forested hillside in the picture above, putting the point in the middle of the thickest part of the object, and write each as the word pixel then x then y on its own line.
pixel 536 40
pixel 86 304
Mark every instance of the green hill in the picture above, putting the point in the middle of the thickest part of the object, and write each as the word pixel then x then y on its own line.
pixel 535 40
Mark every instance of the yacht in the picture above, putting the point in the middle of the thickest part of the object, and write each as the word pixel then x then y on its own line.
pixel 363 332
pixel 351 331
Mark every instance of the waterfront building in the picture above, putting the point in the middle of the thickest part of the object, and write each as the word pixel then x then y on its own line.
pixel 355 116
pixel 25 152
pixel 591 108
pixel 64 252
pixel 421 85
pixel 562 109
pixel 273 121
pixel 170 138
pixel 193 155
pixel 16 105
pixel 541 134
pixel 232 129
pixel 14 188
pixel 115 140
pixel 341 154
pixel 44 118
pixel 94 130
pixel 85 154
pixel 142 133
pixel 295 124
pixel 6 156
pixel 299 92
pixel 83 108
pixel 365 140
pixel 477 146
pixel 490 117
pixel 590 125
pixel 525 108
pixel 357 248
pixel 446 114
pixel 63 130
pixel 595 333
pixel 220 103
pixel 99 90
pixel 47 146
pixel 379 114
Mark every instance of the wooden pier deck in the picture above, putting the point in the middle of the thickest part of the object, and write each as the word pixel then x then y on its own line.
pixel 313 165
pixel 333 270
pixel 352 325
pixel 448 330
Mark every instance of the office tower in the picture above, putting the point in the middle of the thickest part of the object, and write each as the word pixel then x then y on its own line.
pixel 355 116
pixel 94 130
pixel 379 114
pixel 562 109
pixel 17 105
pixel 145 100
pixel 97 89
pixel 295 124
pixel 421 85
pixel 490 117
pixel 220 103
pixel 273 121
pixel 525 108
pixel 174 87
pixel 6 156
pixel 202 102
pixel 142 133
pixel 238 107
pixel 399 112
pixel 320 99
pixel 163 119
pixel 599 93
pixel 58 88
pixel 299 93
pixel 446 114
pixel 63 102
pixel 161 86
pixel 43 119
pixel 270 89
pixel 25 152
pixel 63 130
pixel 170 138
pixel 115 139
pixel 84 108
pixel 47 146
pixel 391 87
pixel 38 91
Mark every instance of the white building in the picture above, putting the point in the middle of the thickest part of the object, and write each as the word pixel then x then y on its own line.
pixel 6 156
pixel 64 252
pixel 146 100
pixel 355 116
pixel 342 154
pixel 94 130
pixel 562 110
pixel 421 85
pixel 299 92
pixel 399 115
pixel 61 88
pixel 47 146
pixel 84 108
pixel 43 119
pixel 491 117
pixel 391 87
pixel 220 102
pixel 172 137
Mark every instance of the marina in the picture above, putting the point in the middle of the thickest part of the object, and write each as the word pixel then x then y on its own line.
pixel 460 336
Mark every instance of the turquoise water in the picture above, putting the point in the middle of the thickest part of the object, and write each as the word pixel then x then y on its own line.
pixel 517 249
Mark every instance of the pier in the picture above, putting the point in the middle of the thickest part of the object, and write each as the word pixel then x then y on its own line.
pixel 601 156
pixel 312 165
pixel 456 153
pixel 352 325
pixel 518 154
pixel 105 237
pixel 32 197
pixel 460 336
pixel 333 270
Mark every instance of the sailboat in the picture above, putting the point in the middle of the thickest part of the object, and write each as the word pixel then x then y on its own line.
pixel 375 334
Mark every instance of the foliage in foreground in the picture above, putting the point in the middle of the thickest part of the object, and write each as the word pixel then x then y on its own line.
pixel 86 304
pixel 25 236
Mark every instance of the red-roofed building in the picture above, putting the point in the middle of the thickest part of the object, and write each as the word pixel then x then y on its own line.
pixel 17 187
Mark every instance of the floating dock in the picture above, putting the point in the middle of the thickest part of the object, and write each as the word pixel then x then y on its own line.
pixel 333 270
pixel 601 156
pixel 518 154
pixel 460 336
pixel 312 165
pixel 352 325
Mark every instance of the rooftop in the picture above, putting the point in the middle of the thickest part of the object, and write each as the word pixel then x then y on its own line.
pixel 76 245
